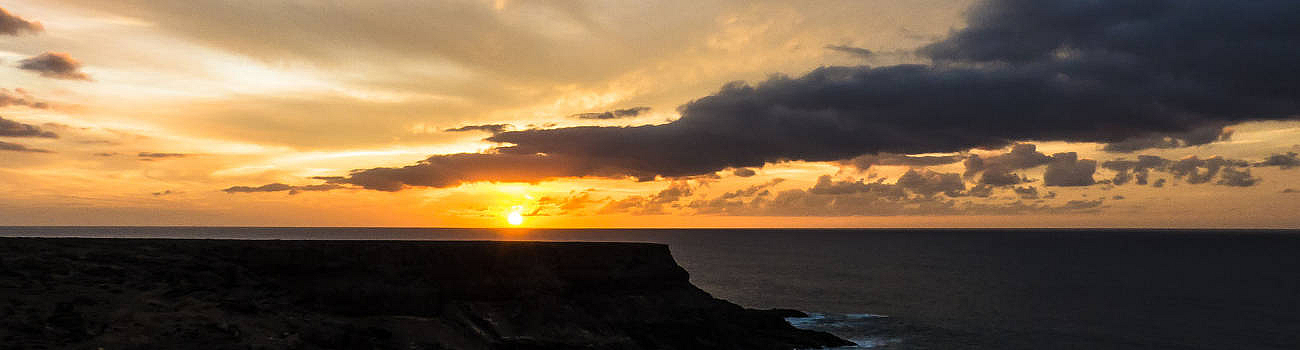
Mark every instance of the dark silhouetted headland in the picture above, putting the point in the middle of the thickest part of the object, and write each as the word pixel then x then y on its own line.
pixel 232 294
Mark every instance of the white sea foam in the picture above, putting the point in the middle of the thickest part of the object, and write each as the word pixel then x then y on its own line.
pixel 857 328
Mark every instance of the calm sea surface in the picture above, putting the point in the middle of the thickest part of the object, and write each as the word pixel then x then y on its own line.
pixel 928 289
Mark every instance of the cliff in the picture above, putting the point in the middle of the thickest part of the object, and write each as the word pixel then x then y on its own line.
pixel 226 294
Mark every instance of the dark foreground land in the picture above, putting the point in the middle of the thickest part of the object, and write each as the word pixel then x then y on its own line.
pixel 229 294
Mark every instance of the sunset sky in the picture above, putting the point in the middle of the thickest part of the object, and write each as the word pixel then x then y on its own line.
pixel 900 113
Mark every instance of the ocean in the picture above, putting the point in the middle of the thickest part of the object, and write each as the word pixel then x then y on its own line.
pixel 948 289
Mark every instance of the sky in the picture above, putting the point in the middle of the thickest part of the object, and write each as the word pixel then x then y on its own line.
pixel 901 113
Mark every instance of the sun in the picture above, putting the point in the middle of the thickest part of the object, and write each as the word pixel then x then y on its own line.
pixel 515 218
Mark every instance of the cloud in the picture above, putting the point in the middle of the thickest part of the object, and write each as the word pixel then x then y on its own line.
pixel 1066 169
pixel 866 161
pixel 279 187
pixel 855 51
pixel 1189 168
pixel 1096 71
pixel 1140 169
pixel 1001 177
pixel 826 185
pixel 1284 161
pixel 652 205
pixel 571 204
pixel 981 191
pixel 11 24
pixel 831 197
pixel 454 169
pixel 20 97
pixel 614 114
pixel 1237 178
pixel 1021 156
pixel 927 183
pixel 1196 137
pixel 9 128
pixel 1030 192
pixel 5 146
pixel 744 172
pixel 491 128
pixel 55 65
pixel 997 169
pixel 675 191
pixel 1290 190
pixel 735 201
pixel 156 155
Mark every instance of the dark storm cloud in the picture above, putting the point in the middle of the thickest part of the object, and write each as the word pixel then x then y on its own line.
pixel 856 51
pixel 11 24
pixel 491 128
pixel 55 65
pixel 9 128
pixel 156 155
pixel 13 147
pixel 19 97
pixel 614 114
pixel 1022 70
pixel 279 187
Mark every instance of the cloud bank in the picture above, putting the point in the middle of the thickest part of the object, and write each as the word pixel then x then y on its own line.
pixel 1097 71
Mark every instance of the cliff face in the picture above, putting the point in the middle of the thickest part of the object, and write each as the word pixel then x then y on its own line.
pixel 134 293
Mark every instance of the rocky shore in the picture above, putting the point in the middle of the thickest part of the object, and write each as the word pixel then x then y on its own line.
pixel 228 294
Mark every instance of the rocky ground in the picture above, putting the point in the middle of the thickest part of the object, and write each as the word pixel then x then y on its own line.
pixel 226 294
